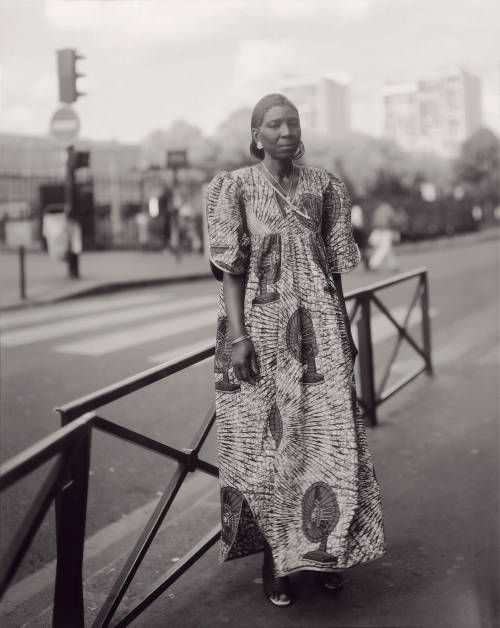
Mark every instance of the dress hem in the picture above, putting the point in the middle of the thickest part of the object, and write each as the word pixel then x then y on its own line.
pixel 325 569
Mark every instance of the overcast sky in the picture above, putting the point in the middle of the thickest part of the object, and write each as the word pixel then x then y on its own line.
pixel 149 63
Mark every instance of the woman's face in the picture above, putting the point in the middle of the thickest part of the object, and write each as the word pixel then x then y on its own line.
pixel 279 132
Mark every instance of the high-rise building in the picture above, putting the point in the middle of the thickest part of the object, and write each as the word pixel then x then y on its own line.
pixel 323 101
pixel 436 114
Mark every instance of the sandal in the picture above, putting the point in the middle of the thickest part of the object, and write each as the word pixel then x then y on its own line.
pixel 333 581
pixel 276 589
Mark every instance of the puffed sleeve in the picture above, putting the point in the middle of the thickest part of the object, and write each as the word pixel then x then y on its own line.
pixel 342 252
pixel 229 242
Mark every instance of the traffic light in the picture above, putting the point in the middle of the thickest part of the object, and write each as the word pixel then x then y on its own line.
pixel 82 159
pixel 66 70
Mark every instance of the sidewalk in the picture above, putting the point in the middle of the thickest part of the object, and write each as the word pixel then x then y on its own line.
pixel 101 272
pixel 436 456
pixel 109 271
pixel 435 452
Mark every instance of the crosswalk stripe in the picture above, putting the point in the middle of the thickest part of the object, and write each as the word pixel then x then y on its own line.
pixel 491 358
pixel 459 339
pixel 64 328
pixel 382 328
pixel 108 343
pixel 178 352
pixel 48 313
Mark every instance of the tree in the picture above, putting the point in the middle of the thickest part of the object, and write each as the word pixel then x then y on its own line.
pixel 179 136
pixel 478 167
pixel 232 140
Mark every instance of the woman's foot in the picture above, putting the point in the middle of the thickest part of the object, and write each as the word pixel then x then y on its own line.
pixel 333 581
pixel 276 589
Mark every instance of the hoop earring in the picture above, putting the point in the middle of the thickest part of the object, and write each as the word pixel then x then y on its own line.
pixel 300 151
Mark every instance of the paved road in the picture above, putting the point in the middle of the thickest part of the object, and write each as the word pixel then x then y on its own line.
pixel 54 354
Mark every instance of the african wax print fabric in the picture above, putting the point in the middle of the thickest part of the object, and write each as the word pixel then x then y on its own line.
pixel 293 458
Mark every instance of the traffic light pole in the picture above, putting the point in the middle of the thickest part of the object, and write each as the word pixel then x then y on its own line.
pixel 72 216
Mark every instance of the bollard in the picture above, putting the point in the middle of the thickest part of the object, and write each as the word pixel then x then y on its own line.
pixel 22 272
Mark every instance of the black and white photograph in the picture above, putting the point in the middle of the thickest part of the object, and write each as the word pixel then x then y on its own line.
pixel 249 313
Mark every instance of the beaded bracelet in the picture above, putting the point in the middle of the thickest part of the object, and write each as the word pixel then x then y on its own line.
pixel 246 337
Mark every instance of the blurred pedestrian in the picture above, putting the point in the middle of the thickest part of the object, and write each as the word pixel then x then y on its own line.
pixel 175 240
pixel 185 225
pixel 359 232
pixel 382 237
pixel 296 476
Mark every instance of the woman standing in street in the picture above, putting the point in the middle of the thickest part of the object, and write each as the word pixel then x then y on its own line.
pixel 296 475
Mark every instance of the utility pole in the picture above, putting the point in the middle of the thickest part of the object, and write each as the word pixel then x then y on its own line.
pixel 68 94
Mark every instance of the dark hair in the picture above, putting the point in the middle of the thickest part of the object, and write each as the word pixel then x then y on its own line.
pixel 258 113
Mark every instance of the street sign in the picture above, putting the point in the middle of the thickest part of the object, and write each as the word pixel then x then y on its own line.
pixel 65 126
pixel 176 159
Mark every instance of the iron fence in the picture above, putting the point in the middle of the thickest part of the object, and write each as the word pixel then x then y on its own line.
pixel 70 447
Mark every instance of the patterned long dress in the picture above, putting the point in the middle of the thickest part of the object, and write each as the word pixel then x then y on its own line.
pixel 294 463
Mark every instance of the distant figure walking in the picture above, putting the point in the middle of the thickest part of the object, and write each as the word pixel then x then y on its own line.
pixel 175 243
pixel 385 232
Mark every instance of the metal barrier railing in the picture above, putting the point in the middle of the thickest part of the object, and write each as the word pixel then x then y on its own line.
pixel 67 482
pixel 364 299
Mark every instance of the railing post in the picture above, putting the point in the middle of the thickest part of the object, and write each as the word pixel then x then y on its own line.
pixel 71 510
pixel 426 323
pixel 366 371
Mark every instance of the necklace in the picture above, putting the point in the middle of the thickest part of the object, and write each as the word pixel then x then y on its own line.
pixel 285 192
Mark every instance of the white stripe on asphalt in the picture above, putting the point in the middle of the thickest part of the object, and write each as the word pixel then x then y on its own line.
pixel 460 338
pixel 492 358
pixel 178 352
pixel 76 325
pixel 382 328
pixel 107 343
pixel 53 312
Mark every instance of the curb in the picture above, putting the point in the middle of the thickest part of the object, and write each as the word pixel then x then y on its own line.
pixel 105 288
pixel 469 237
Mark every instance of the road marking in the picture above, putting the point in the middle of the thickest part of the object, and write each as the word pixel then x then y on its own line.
pixel 179 352
pixel 382 328
pixel 199 484
pixel 48 313
pixel 107 343
pixel 492 358
pixel 49 331
pixel 461 338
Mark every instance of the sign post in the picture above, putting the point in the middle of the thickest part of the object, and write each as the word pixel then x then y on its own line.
pixel 65 127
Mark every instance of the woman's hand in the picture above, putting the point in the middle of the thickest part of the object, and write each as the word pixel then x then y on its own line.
pixel 354 349
pixel 352 346
pixel 244 361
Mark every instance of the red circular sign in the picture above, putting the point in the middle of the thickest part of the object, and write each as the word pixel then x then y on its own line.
pixel 65 126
